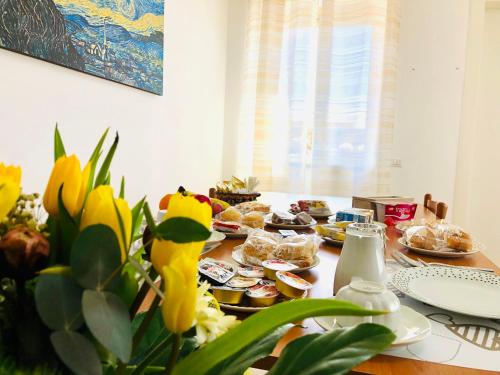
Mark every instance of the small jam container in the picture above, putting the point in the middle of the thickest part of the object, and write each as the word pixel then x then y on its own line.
pixel 251 271
pixel 225 294
pixel 215 272
pixel 262 295
pixel 274 265
pixel 291 285
pixel 267 282
pixel 242 282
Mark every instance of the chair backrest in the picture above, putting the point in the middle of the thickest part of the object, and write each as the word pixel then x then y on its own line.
pixel 438 208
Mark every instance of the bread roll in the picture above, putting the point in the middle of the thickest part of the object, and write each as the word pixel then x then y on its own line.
pixel 421 237
pixel 230 214
pixel 253 219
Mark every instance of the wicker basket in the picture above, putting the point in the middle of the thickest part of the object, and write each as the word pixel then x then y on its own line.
pixel 233 198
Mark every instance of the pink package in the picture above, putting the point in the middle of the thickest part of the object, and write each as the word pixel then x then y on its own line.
pixel 393 213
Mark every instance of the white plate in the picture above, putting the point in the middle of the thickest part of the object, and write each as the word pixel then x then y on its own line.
pixel 268 221
pixel 443 253
pixel 214 238
pixel 412 327
pixel 463 291
pixel 333 242
pixel 238 257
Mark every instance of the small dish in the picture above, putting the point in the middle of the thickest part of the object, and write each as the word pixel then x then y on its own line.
pixel 214 238
pixel 331 241
pixel 411 326
pixel 291 285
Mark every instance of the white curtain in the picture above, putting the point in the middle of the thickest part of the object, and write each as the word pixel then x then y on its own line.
pixel 317 107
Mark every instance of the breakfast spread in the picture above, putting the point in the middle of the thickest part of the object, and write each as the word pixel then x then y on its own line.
pixel 233 220
pixel 253 206
pixel 286 218
pixel 356 215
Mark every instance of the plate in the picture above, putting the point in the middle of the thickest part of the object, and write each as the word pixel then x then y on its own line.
pixel 463 291
pixel 442 254
pixel 333 242
pixel 268 221
pixel 412 327
pixel 214 238
pixel 247 309
pixel 238 257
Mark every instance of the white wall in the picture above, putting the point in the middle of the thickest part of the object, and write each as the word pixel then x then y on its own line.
pixel 164 140
pixel 431 76
pixel 485 175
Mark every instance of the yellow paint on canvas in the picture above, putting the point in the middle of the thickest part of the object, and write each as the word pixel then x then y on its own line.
pixel 144 25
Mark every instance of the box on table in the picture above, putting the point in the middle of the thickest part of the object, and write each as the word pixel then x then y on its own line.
pixel 398 207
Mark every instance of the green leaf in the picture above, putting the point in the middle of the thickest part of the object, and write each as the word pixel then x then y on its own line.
pixel 57 270
pixel 261 324
pixel 122 188
pixel 96 257
pixel 77 352
pixel 137 217
pixel 333 353
pixel 182 230
pixel 58 145
pixel 154 335
pixel 97 150
pixel 104 171
pixel 126 288
pixel 68 229
pixel 107 318
pixel 149 218
pixel 58 302
pixel 239 362
pixel 142 272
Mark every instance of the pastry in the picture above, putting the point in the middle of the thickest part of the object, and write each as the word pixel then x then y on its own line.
pixel 258 247
pixel 314 207
pixel 253 206
pixel 231 214
pixel 253 219
pixel 422 237
pixel 331 231
pixel 303 219
pixel 282 218
pixel 459 240
pixel 298 250
pixel 227 226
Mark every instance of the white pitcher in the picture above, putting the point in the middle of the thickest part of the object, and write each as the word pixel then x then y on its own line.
pixel 363 255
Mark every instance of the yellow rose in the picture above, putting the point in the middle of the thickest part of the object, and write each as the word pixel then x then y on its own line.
pixel 10 188
pixel 100 209
pixel 66 171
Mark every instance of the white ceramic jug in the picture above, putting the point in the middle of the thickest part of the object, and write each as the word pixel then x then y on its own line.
pixel 362 255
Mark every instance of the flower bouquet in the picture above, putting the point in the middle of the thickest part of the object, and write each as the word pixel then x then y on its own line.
pixel 85 291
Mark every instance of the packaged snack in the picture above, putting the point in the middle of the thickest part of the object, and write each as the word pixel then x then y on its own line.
pixel 262 295
pixel 253 219
pixel 251 271
pixel 356 215
pixel 273 265
pixel 242 282
pixel 230 214
pixel 246 207
pixel 291 285
pixel 225 294
pixel 216 272
pixel 298 250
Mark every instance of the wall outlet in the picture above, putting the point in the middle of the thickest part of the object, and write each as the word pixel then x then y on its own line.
pixel 396 163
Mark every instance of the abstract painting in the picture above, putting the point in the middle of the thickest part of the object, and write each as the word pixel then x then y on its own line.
pixel 120 40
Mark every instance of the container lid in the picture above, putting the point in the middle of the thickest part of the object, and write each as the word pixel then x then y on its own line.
pixel 259 291
pixel 242 282
pixel 364 286
pixel 251 271
pixel 293 280
pixel 278 265
pixel 365 229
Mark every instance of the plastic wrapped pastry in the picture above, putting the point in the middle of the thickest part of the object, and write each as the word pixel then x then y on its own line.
pixel 253 219
pixel 230 214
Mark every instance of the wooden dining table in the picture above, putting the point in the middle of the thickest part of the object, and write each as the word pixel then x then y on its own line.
pixel 322 277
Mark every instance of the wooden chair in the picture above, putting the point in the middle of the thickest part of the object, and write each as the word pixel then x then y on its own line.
pixel 438 208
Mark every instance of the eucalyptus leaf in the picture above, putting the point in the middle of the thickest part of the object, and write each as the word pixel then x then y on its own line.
pixel 239 362
pixel 126 287
pixel 107 318
pixel 154 335
pixel 96 257
pixel 58 302
pixel 77 352
pixel 58 145
pixel 333 353
pixel 182 230
pixel 261 324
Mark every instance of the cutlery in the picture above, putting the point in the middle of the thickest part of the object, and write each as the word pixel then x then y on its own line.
pixel 399 260
pixel 436 264
pixel 409 260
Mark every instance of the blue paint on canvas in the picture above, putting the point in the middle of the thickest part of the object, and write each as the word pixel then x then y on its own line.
pixel 120 40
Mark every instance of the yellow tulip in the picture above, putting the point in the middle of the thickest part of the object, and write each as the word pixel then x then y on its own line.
pixel 10 188
pixel 195 207
pixel 178 263
pixel 100 209
pixel 66 171
pixel 180 280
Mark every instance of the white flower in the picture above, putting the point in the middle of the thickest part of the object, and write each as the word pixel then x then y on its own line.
pixel 210 321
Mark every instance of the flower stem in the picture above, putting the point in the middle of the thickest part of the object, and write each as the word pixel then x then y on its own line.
pixel 139 334
pixel 152 355
pixel 139 298
pixel 176 346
